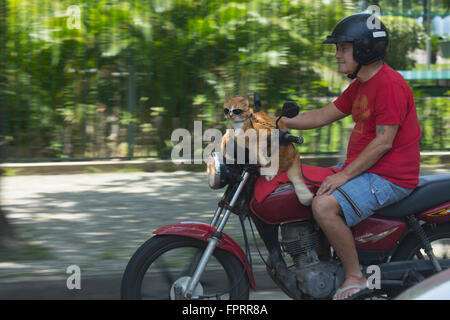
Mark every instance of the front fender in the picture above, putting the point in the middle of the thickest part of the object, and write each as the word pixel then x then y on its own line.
pixel 203 232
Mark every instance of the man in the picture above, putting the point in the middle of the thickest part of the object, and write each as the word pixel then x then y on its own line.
pixel 382 165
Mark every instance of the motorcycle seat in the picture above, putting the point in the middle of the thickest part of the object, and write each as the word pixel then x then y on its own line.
pixel 431 191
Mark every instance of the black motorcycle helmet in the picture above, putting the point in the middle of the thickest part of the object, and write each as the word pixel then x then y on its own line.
pixel 368 35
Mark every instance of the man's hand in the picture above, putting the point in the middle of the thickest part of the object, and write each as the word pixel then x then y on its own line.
pixel 332 182
pixel 285 121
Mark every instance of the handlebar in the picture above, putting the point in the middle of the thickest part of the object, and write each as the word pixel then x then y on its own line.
pixel 293 139
pixel 286 137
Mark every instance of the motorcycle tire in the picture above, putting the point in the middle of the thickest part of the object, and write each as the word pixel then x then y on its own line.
pixel 411 247
pixel 223 266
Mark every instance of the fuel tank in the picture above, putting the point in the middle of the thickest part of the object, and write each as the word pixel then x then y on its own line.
pixel 282 206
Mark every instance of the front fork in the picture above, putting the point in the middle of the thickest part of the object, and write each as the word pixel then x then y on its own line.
pixel 215 238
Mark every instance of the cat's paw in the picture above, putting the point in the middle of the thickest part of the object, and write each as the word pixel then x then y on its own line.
pixel 263 161
pixel 305 198
pixel 268 178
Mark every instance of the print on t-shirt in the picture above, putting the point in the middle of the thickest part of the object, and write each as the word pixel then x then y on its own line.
pixel 360 112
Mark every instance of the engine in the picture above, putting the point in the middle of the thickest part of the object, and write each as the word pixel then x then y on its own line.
pixel 316 278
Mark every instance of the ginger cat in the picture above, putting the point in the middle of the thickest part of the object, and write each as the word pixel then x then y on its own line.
pixel 242 118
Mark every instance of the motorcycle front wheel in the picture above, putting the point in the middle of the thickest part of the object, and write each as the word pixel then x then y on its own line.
pixel 165 263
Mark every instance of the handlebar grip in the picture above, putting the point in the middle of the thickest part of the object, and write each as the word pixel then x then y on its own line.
pixel 293 139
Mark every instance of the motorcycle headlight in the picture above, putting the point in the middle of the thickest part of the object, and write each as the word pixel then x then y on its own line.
pixel 216 170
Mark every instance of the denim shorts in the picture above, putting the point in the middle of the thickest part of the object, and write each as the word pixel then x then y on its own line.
pixel 369 192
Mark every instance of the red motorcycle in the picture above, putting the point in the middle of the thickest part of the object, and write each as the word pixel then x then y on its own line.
pixel 407 241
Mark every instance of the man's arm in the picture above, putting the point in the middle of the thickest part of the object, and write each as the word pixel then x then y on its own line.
pixel 381 144
pixel 314 118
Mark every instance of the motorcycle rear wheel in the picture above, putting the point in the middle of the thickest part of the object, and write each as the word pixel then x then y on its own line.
pixel 166 261
pixel 440 241
pixel 412 249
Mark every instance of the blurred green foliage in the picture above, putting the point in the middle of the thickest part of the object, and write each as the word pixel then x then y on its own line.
pixel 405 36
pixel 120 77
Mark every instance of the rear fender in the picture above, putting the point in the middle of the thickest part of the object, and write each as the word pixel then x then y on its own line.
pixel 203 232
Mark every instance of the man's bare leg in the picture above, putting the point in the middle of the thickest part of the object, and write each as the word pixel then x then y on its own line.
pixel 326 211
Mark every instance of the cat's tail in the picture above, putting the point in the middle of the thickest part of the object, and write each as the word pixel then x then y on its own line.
pixel 294 174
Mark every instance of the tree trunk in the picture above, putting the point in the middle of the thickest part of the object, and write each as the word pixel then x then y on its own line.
pixel 425 15
pixel 7 238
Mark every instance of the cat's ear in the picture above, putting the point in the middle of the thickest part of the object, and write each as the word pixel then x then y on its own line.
pixel 245 102
pixel 227 98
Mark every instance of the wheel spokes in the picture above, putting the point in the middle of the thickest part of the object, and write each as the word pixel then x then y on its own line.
pixel 179 263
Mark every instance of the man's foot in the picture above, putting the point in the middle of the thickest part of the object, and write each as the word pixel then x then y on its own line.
pixel 350 287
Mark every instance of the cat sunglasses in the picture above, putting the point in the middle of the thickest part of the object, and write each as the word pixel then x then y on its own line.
pixel 236 112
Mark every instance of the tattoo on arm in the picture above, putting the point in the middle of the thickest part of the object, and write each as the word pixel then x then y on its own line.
pixel 381 130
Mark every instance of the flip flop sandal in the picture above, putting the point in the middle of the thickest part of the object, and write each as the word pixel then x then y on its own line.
pixel 357 286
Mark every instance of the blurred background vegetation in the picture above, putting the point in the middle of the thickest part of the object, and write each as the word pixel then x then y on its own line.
pixel 102 79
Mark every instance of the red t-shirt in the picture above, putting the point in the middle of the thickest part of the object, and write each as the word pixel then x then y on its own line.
pixel 384 99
